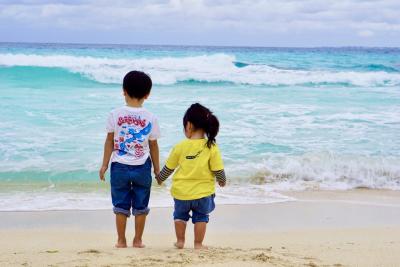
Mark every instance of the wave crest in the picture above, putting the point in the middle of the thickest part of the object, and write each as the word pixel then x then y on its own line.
pixel 206 68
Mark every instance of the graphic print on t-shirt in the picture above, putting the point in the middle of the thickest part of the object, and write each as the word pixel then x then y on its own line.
pixel 195 156
pixel 131 136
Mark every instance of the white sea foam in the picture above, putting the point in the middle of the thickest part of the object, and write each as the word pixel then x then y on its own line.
pixel 325 171
pixel 53 200
pixel 206 68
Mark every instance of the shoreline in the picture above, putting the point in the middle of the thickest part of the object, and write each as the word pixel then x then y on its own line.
pixel 364 196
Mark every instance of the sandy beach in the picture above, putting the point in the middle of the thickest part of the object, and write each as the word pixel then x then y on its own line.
pixel 351 228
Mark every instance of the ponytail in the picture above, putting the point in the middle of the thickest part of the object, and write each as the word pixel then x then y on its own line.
pixel 212 129
pixel 202 118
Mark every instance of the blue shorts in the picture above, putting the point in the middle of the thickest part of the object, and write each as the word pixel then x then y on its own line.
pixel 130 188
pixel 201 208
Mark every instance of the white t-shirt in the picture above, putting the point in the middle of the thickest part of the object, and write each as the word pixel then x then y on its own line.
pixel 132 128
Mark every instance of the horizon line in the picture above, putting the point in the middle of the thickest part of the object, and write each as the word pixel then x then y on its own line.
pixel 199 45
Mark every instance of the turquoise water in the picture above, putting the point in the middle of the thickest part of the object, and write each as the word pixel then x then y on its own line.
pixel 291 119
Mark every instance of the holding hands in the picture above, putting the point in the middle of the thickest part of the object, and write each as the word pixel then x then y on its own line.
pixel 159 182
pixel 157 177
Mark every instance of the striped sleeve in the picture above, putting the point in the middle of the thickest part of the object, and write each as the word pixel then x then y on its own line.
pixel 165 173
pixel 220 176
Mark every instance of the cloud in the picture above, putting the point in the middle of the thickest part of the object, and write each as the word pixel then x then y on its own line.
pixel 254 22
pixel 366 33
pixel 41 2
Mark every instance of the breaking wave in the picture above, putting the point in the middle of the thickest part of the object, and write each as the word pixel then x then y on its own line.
pixel 207 68
pixel 326 171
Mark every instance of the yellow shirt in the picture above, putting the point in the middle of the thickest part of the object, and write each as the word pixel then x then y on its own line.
pixel 195 163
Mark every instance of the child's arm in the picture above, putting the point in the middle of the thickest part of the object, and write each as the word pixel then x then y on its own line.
pixel 108 149
pixel 217 166
pixel 155 156
pixel 171 164
pixel 164 174
pixel 221 178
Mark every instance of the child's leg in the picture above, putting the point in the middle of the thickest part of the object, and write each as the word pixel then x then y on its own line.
pixel 120 220
pixel 140 221
pixel 201 210
pixel 121 199
pixel 199 233
pixel 141 187
pixel 180 229
pixel 181 216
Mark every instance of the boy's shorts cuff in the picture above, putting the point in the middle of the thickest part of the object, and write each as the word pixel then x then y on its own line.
pixel 204 218
pixel 180 220
pixel 121 211
pixel 144 211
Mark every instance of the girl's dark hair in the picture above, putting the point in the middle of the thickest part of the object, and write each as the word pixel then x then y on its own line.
pixel 202 118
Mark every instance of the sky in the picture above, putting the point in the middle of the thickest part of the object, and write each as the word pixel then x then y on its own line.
pixel 278 23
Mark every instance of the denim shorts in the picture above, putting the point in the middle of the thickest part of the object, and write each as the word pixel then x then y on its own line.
pixel 130 188
pixel 201 208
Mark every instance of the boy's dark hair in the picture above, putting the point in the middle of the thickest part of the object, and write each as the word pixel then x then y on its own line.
pixel 137 84
pixel 202 118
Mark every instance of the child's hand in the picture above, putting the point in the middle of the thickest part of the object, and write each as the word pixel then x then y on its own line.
pixel 221 184
pixel 159 182
pixel 157 176
pixel 102 171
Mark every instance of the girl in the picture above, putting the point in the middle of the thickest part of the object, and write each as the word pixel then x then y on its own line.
pixel 198 162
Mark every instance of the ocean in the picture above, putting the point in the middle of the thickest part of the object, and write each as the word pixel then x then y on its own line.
pixel 291 118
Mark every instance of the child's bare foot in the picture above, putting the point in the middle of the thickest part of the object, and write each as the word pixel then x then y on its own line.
pixel 179 244
pixel 121 243
pixel 199 246
pixel 138 244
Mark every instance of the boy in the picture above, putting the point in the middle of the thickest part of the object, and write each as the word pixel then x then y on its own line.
pixel 132 134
